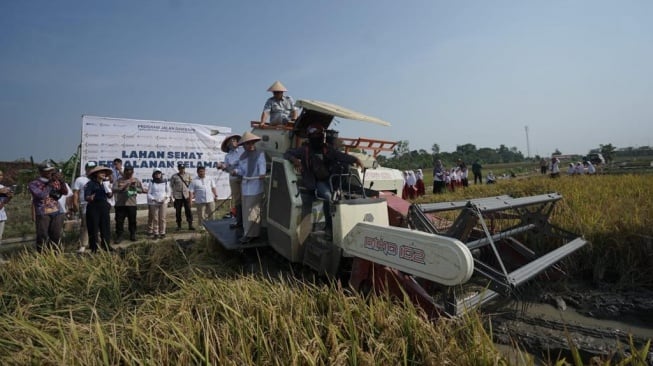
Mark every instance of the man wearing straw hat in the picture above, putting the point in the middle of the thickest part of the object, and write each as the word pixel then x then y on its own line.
pixel 251 167
pixel 234 151
pixel 279 108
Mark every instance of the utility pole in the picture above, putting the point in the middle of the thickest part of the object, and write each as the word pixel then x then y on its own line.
pixel 528 145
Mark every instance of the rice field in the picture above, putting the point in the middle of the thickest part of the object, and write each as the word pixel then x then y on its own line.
pixel 160 303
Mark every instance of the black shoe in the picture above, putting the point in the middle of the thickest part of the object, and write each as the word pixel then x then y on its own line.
pixel 248 239
pixel 132 237
pixel 118 240
pixel 235 226
pixel 191 228
pixel 162 236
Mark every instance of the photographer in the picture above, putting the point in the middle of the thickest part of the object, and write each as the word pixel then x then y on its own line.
pixel 46 192
pixel 65 201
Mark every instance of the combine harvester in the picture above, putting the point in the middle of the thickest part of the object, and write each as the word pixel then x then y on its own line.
pixel 446 257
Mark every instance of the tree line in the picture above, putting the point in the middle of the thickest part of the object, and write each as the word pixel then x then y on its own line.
pixel 403 158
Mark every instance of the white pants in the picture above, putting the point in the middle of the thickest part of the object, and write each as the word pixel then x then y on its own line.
pixel 2 230
pixel 157 219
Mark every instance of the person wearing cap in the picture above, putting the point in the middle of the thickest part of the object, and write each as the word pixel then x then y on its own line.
pixel 125 190
pixel 98 220
pixel 158 195
pixel 179 186
pixel 234 151
pixel 203 194
pixel 48 220
pixel 251 167
pixel 279 108
pixel 315 161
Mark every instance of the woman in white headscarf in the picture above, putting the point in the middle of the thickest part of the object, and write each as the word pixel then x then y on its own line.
pixel 411 180
pixel 419 185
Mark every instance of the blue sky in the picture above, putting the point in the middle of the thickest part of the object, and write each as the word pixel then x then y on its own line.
pixel 577 73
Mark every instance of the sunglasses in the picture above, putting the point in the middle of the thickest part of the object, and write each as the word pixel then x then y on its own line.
pixel 312 130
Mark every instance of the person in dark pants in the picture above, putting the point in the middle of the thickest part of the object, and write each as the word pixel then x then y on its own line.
pixel 315 161
pixel 179 185
pixel 477 171
pixel 438 177
pixel 125 190
pixel 97 193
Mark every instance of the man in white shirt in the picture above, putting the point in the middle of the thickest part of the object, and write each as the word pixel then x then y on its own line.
pixel 203 194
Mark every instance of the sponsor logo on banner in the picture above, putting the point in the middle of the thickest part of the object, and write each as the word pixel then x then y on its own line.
pixel 146 145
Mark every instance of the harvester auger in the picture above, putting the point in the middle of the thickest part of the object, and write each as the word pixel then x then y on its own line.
pixel 432 253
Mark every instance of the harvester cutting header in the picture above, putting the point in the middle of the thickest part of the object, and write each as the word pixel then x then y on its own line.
pixel 446 256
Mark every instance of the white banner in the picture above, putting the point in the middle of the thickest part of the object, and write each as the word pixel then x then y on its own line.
pixel 147 145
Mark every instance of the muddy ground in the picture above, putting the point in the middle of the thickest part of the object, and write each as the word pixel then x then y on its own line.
pixel 598 321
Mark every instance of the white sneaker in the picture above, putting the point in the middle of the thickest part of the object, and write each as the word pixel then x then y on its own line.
pixel 81 250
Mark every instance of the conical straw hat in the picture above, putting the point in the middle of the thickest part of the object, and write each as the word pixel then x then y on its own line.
pixel 97 169
pixel 247 137
pixel 225 143
pixel 278 87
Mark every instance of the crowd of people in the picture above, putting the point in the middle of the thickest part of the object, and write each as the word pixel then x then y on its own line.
pixel 103 188
pixel 578 168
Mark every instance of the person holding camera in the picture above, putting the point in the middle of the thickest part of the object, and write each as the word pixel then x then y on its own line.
pixel 46 191
pixel 65 201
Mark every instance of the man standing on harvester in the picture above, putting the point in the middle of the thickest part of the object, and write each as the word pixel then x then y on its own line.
pixel 279 108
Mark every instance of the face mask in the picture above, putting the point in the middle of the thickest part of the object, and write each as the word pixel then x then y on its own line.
pixel 316 142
